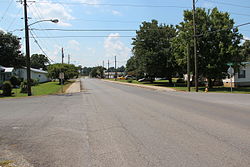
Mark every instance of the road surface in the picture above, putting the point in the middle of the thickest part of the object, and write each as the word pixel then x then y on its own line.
pixel 113 125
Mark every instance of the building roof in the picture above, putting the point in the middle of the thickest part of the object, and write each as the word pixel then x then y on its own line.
pixel 6 69
pixel 38 70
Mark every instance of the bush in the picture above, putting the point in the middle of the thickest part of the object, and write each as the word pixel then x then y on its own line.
pixel 7 88
pixel 15 81
pixel 129 81
pixel 180 80
pixel 34 82
pixel 23 86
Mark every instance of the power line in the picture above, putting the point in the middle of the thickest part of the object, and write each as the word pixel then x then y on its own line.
pixel 228 4
pixel 86 36
pixel 6 10
pixel 118 5
pixel 77 30
pixel 40 47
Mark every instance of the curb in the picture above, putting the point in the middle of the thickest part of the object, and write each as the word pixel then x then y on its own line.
pixel 142 86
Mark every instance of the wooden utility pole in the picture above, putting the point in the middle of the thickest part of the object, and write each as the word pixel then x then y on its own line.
pixel 188 66
pixel 68 58
pixel 195 48
pixel 108 69
pixel 27 48
pixel 62 55
pixel 115 69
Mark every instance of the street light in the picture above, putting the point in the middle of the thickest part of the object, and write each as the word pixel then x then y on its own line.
pixel 28 49
pixel 51 20
pixel 28 44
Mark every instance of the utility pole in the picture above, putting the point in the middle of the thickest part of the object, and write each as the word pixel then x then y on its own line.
pixel 62 55
pixel 27 48
pixel 115 69
pixel 188 66
pixel 195 48
pixel 108 69
pixel 103 64
pixel 68 58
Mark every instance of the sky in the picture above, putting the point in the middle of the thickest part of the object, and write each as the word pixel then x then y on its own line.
pixel 91 48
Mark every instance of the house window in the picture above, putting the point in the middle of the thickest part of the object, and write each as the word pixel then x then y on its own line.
pixel 242 74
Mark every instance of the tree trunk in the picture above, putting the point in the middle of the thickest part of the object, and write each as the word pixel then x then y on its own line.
pixel 170 81
pixel 210 83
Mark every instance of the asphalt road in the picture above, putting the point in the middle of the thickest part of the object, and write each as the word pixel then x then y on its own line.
pixel 112 125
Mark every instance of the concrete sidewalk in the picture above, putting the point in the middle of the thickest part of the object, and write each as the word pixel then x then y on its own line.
pixel 75 87
pixel 143 86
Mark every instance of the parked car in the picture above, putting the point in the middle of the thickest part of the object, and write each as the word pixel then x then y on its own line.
pixel 121 78
pixel 146 79
pixel 129 77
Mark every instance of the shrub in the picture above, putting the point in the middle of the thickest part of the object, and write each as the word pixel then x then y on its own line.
pixel 7 88
pixel 129 81
pixel 15 81
pixel 180 80
pixel 23 86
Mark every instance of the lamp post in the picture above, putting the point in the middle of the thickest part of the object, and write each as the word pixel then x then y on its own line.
pixel 28 45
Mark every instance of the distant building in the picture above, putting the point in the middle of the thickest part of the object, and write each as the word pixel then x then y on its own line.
pixel 38 74
pixel 242 78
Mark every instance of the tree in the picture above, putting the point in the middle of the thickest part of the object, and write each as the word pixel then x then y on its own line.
pixel 245 50
pixel 152 49
pixel 70 71
pixel 121 69
pixel 97 72
pixel 217 43
pixel 39 61
pixel 10 54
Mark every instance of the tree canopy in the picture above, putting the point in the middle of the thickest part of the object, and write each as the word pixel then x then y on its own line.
pixel 10 54
pixel 39 61
pixel 152 50
pixel 70 71
pixel 217 43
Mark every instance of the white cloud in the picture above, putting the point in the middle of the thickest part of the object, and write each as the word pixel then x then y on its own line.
pixel 246 38
pixel 116 13
pixel 1 29
pixel 115 47
pixel 51 10
pixel 96 2
pixel 73 45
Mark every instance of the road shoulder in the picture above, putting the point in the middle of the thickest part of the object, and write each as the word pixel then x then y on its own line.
pixel 142 86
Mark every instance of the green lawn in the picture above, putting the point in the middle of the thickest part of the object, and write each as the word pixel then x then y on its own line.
pixel 183 86
pixel 42 89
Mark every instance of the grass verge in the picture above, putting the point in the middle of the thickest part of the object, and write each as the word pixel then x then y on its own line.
pixel 41 89
pixel 183 86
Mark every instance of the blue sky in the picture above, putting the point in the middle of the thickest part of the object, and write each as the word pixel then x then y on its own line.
pixel 99 14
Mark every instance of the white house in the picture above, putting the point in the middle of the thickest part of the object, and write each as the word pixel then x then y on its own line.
pixel 242 78
pixel 37 74
pixel 6 73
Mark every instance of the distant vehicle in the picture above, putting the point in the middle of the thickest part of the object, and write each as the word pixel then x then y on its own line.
pixel 146 79
pixel 129 77
pixel 121 78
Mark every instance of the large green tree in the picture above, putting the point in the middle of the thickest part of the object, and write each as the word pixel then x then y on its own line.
pixel 152 49
pixel 70 71
pixel 245 50
pixel 10 54
pixel 97 72
pixel 217 43
pixel 39 61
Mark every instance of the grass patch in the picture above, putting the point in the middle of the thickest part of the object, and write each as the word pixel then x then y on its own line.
pixel 183 86
pixel 6 163
pixel 41 89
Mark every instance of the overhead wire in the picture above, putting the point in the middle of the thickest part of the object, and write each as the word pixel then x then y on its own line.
pixel 228 4
pixel 7 9
pixel 35 40
pixel 113 4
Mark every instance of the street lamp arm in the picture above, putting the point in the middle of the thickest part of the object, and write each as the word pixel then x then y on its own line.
pixel 51 20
